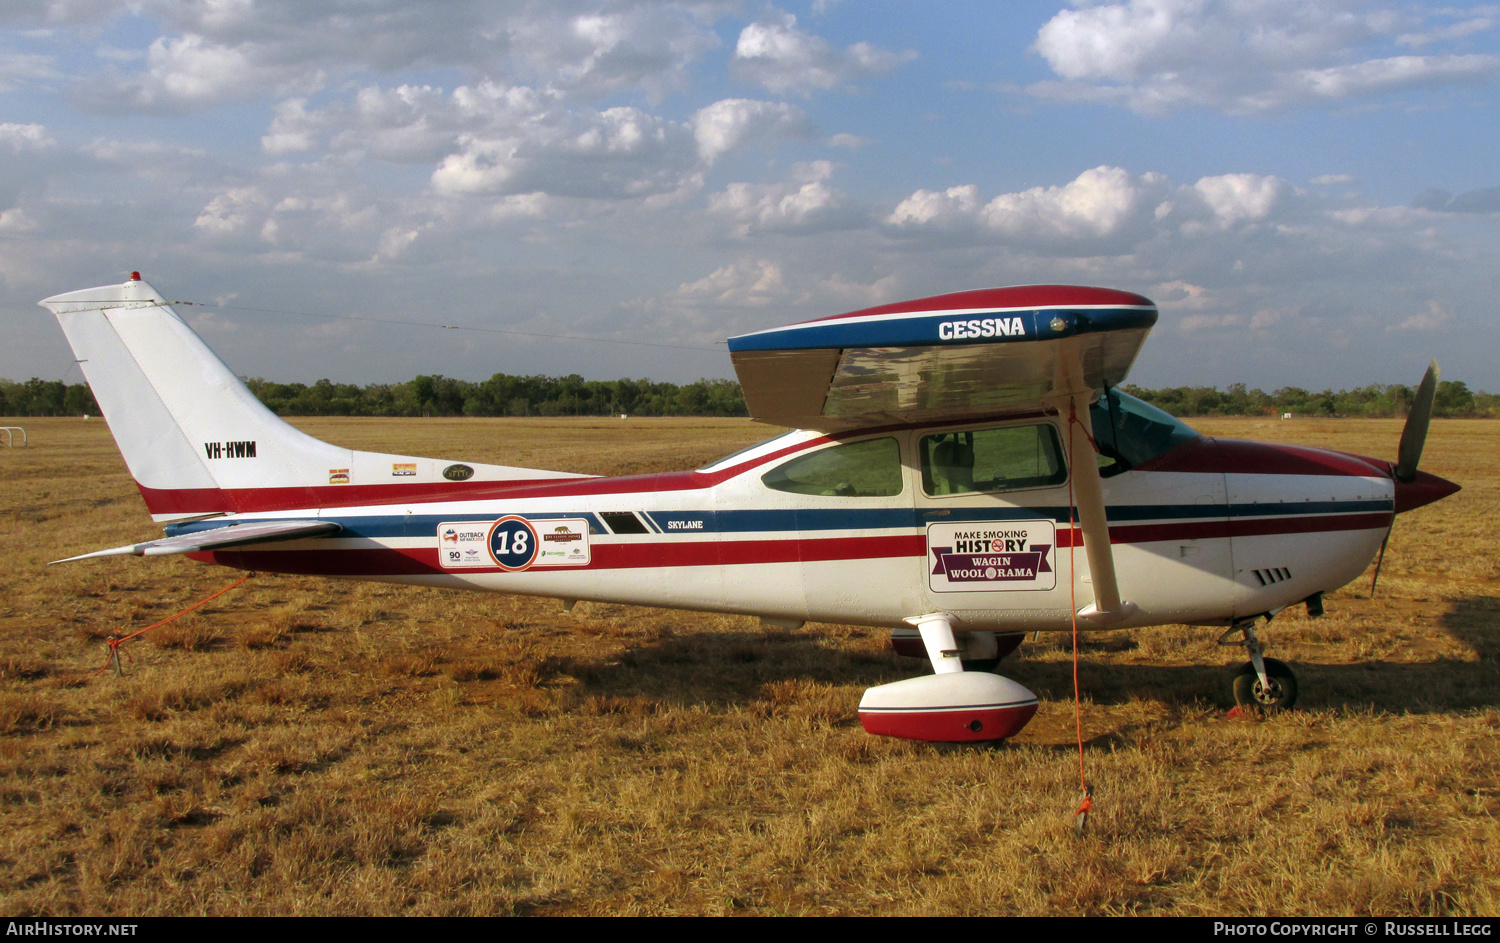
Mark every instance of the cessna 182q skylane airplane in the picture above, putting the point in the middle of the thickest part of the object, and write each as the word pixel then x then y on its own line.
pixel 949 456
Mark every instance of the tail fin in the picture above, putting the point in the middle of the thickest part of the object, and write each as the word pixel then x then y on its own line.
pixel 199 443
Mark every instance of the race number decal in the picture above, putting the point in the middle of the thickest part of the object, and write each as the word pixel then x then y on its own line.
pixel 513 543
pixel 991 556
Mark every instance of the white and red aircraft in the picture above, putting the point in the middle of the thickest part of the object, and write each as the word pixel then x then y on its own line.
pixel 931 487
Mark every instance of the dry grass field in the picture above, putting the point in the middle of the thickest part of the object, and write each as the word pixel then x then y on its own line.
pixel 302 746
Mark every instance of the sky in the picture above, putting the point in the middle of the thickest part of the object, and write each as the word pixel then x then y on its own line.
pixel 1307 188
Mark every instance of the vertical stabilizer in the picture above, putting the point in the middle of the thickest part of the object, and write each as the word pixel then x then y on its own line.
pixel 198 442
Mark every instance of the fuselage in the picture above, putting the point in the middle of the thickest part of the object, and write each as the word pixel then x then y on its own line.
pixel 877 526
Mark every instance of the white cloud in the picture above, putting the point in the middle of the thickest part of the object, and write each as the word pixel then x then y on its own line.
pixel 292 129
pixel 25 137
pixel 776 55
pixel 192 72
pixel 953 207
pixel 1240 198
pixel 623 153
pixel 1102 205
pixel 217 51
pixel 594 53
pixel 806 205
pixel 1396 72
pixel 233 212
pixel 499 140
pixel 1099 203
pixel 18 70
pixel 727 124
pixel 529 145
pixel 1104 211
pixel 1435 317
pixel 1459 30
pixel 1248 56
pixel 1180 295
pixel 746 283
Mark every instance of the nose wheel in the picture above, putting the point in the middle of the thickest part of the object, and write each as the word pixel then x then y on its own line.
pixel 1263 684
pixel 1277 693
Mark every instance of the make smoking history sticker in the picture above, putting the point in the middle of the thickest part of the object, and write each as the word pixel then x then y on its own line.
pixel 991 556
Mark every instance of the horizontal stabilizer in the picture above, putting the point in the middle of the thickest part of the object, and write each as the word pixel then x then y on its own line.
pixel 233 535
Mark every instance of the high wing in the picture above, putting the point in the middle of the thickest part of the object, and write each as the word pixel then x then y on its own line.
pixel 961 356
pixel 232 535
pixel 949 357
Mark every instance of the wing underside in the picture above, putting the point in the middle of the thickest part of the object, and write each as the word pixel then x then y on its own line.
pixel 948 358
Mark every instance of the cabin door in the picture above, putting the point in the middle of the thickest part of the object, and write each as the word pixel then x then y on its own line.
pixel 993 502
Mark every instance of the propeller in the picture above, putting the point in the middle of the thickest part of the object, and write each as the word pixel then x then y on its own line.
pixel 1409 452
pixel 1414 434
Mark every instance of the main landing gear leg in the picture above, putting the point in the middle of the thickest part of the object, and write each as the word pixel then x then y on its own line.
pixel 942 647
pixel 1264 684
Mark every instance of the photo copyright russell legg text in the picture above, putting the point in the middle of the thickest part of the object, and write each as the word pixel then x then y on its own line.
pixel 1414 927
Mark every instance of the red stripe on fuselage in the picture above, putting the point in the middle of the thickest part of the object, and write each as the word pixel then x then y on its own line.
pixel 408 561
pixel 394 561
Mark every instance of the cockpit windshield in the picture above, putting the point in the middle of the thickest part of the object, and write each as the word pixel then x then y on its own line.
pixel 1130 432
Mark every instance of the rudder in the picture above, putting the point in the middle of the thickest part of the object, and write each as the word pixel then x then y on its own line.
pixel 198 442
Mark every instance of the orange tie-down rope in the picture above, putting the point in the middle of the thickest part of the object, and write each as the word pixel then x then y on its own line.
pixel 1081 816
pixel 114 643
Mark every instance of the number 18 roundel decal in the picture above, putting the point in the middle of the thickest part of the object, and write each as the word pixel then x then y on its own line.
pixel 513 543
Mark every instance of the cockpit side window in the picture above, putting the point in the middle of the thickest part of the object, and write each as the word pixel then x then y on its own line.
pixel 1130 432
pixel 982 460
pixel 867 469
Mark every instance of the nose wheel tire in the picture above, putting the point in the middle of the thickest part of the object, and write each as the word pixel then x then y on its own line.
pixel 1250 693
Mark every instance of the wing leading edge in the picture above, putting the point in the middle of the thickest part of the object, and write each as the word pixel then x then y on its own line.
pixel 949 357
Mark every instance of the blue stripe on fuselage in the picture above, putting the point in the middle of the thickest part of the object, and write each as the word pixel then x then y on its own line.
pixel 820 519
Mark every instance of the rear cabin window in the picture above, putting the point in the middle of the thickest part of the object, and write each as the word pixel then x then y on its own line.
pixel 868 469
pixel 981 460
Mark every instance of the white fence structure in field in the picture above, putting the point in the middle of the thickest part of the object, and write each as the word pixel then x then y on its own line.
pixel 10 438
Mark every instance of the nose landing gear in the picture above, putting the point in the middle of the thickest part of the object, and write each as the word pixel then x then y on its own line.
pixel 1264 684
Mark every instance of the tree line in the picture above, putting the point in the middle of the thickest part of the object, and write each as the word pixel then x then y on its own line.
pixel 506 395
pixel 1453 399
pixel 500 395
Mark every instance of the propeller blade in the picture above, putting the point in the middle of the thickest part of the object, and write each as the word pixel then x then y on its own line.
pixel 1414 434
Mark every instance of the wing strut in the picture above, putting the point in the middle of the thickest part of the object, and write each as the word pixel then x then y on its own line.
pixel 1108 608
